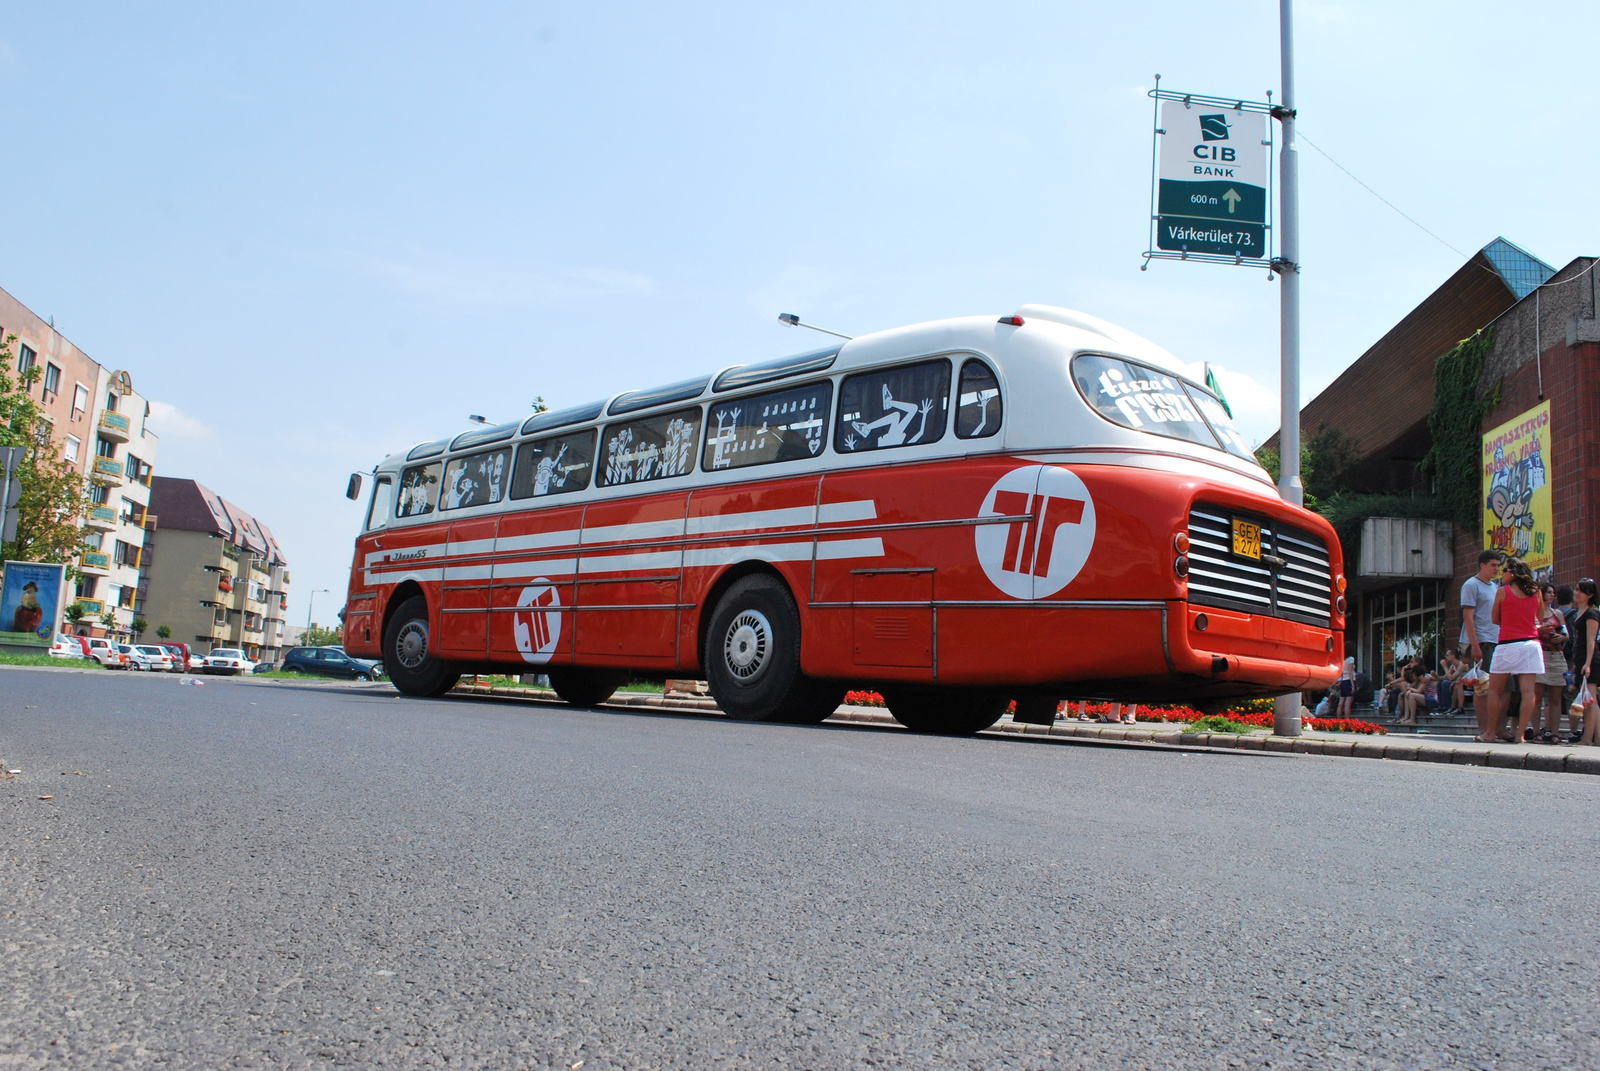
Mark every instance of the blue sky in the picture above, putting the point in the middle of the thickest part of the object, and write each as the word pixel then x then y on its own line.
pixel 317 233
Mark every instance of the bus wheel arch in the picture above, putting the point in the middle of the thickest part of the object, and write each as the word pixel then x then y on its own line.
pixel 402 593
pixel 409 653
pixel 751 652
pixel 719 587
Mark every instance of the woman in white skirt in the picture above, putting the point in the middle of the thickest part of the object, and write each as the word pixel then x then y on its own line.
pixel 1518 609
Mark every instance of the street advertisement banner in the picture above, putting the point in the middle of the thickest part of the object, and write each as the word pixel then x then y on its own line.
pixel 1516 488
pixel 1212 180
pixel 30 603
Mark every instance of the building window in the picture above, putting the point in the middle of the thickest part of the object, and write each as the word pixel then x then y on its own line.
pixel 52 379
pixel 1404 623
pixel 26 358
pixel 111 401
pixel 87 585
pixel 80 401
pixel 105 447
pixel 74 444
pixel 99 493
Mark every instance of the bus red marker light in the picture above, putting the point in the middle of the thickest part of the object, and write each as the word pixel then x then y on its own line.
pixel 1181 566
pixel 1014 321
pixel 1201 622
pixel 1339 604
pixel 1180 542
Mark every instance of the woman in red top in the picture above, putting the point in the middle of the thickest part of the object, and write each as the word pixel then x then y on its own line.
pixel 1518 609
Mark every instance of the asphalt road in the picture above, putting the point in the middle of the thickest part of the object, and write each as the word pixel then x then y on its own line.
pixel 259 875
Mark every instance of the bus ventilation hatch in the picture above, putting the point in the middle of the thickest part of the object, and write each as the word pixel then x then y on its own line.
pixel 1291 579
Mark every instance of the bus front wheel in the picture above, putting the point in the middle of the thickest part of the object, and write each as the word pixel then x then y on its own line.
pixel 752 655
pixel 943 711
pixel 585 687
pixel 412 666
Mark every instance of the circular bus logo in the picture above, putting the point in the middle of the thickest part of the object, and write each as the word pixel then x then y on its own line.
pixel 1044 547
pixel 537 622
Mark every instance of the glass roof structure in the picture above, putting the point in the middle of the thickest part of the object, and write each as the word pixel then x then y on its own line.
pixel 1522 271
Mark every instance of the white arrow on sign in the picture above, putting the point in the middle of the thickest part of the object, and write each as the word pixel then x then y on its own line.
pixel 1233 199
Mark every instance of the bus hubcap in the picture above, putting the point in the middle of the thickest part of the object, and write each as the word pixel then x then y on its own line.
pixel 412 645
pixel 748 644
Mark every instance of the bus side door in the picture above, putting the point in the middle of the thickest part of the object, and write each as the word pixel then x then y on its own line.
pixel 531 598
pixel 630 570
pixel 464 592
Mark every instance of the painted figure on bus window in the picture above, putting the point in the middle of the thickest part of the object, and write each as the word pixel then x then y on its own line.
pixel 619 459
pixel 550 473
pixel 461 491
pixel 895 421
pixel 675 459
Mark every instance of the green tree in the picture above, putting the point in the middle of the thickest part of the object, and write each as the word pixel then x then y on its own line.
pixel 53 493
pixel 109 619
pixel 164 632
pixel 316 636
pixel 1325 463
pixel 139 625
pixel 76 612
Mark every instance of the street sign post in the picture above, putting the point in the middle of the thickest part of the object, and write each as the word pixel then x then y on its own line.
pixel 11 458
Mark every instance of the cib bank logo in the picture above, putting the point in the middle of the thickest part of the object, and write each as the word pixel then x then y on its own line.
pixel 1214 127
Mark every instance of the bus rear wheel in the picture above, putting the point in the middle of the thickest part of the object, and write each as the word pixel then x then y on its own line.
pixel 585 687
pixel 412 666
pixel 943 711
pixel 752 656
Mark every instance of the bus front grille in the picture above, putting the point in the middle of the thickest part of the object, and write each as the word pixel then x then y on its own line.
pixel 1291 579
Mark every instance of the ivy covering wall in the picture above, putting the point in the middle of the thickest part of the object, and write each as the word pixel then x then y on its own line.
pixel 1455 423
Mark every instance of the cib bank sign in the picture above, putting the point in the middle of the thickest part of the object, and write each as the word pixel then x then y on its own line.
pixel 1212 181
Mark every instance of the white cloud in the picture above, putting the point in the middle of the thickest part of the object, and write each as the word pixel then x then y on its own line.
pixel 473 284
pixel 1254 405
pixel 170 422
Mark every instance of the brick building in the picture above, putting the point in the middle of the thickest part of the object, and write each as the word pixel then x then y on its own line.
pixel 1407 573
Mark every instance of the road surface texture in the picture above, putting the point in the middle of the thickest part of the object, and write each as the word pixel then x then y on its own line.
pixel 256 875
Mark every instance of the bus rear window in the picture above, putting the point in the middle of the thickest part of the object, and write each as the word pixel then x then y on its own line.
pixel 1145 399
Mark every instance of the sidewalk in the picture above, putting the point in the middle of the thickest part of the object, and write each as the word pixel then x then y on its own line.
pixel 1449 750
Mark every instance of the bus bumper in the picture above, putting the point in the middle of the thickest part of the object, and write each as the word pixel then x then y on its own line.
pixel 1235 652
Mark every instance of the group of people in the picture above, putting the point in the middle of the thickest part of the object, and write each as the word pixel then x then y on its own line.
pixel 1533 637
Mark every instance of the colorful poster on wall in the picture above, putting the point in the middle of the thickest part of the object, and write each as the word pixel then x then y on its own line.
pixel 1516 488
pixel 30 603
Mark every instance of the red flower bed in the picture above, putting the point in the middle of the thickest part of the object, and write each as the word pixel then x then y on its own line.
pixel 1176 714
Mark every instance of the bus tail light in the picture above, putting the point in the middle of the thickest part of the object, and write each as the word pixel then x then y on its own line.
pixel 1181 566
pixel 1014 321
pixel 1201 622
pixel 1339 604
pixel 1180 542
pixel 1339 584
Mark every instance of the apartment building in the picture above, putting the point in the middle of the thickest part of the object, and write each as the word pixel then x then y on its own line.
pixel 215 574
pixel 97 421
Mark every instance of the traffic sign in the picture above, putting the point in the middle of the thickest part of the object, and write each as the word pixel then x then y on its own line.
pixel 1212 180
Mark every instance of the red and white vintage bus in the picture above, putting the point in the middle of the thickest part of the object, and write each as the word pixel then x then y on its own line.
pixel 957 513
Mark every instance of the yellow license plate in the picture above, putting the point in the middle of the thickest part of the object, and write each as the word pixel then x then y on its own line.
pixel 1247 539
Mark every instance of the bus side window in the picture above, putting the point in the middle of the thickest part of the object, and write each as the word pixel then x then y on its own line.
pixel 977 402
pixel 475 481
pixel 378 512
pixel 786 425
pixel 419 490
pixel 553 466
pixel 904 406
pixel 650 449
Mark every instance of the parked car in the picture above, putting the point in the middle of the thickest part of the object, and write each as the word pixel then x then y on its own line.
pixel 106 652
pixel 228 661
pixel 66 646
pixel 328 662
pixel 148 656
pixel 180 656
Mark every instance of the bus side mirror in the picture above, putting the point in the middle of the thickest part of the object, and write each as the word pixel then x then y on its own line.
pixel 352 490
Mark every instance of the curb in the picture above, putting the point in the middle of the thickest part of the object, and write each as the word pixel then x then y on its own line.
pixel 1542 758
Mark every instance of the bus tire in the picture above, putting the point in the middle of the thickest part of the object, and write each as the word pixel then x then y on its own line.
pixel 413 667
pixel 752 655
pixel 585 687
pixel 819 701
pixel 943 711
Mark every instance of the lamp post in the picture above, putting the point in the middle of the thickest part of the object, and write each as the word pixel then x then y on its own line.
pixel 312 601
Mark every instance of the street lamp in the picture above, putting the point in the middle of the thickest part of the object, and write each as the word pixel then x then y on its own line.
pixel 312 602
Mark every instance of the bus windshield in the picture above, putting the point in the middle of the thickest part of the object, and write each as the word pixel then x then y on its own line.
pixel 1148 399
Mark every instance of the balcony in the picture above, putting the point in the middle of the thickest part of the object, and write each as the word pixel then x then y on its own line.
pixel 106 470
pixel 114 427
pixel 91 607
pixel 92 561
pixel 101 518
pixel 1394 548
